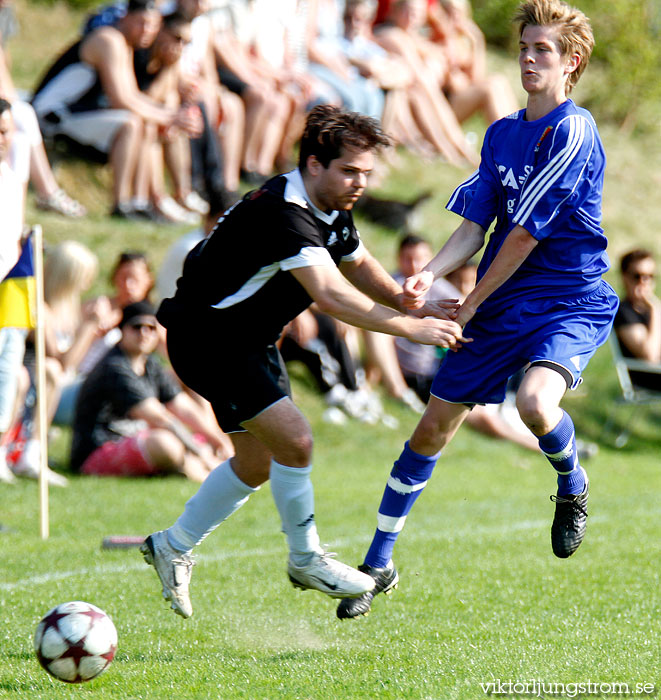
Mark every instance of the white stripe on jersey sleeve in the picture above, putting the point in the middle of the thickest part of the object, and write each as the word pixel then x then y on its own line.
pixel 461 191
pixel 308 257
pixel 554 169
pixel 356 255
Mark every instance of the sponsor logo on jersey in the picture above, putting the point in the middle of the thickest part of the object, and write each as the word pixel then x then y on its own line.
pixel 508 179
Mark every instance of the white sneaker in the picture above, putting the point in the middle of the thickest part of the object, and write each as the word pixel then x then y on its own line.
pixel 173 568
pixel 195 203
pixel 410 399
pixel 27 466
pixel 334 416
pixel 174 211
pixel 6 474
pixel 331 577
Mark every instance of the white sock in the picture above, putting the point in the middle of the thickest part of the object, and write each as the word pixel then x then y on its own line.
pixel 294 498
pixel 221 494
pixel 30 454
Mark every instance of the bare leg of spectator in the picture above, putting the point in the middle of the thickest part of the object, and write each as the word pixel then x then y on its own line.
pixel 382 360
pixel 230 134
pixel 491 423
pixel 272 136
pixel 123 158
pixel 265 122
pixel 178 162
pixel 46 187
pixel 430 127
pixel 168 453
pixel 492 96
pixel 145 164
pixel 293 130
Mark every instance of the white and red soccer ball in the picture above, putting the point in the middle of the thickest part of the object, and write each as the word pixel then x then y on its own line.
pixel 75 642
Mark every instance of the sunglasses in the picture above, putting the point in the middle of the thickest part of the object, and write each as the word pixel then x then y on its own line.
pixel 641 276
pixel 141 326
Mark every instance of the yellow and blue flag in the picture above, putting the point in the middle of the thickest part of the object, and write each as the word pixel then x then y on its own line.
pixel 18 292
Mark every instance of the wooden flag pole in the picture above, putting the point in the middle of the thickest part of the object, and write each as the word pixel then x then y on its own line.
pixel 40 351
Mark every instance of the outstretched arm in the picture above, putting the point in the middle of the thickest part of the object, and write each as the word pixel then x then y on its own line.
pixel 368 275
pixel 336 297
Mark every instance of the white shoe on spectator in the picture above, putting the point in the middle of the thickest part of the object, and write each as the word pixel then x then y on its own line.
pixel 27 465
pixel 60 202
pixel 337 395
pixel 410 399
pixel 334 416
pixel 169 208
pixel 6 474
pixel 195 203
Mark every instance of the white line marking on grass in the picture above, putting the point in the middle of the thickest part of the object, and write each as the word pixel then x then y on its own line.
pixel 424 534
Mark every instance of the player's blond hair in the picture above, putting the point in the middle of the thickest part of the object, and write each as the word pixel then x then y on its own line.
pixel 574 30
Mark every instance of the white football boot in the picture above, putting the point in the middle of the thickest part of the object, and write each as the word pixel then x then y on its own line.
pixel 173 568
pixel 331 577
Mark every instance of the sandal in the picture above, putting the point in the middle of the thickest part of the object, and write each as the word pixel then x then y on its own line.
pixel 61 203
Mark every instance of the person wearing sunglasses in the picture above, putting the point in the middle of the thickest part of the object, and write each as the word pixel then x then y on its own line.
pixel 133 419
pixel 638 320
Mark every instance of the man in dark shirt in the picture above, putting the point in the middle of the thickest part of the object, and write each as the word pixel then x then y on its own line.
pixel 638 320
pixel 269 257
pixel 131 415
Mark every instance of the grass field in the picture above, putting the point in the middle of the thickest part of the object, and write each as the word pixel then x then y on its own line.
pixel 481 599
pixel 481 596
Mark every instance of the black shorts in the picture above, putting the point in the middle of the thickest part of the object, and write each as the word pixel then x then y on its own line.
pixel 239 382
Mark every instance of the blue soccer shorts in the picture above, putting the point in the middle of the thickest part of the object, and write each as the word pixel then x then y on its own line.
pixel 562 334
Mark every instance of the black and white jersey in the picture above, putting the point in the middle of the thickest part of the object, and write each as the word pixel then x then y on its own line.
pixel 239 277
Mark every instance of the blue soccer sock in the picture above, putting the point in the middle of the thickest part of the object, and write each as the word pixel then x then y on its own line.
pixel 559 446
pixel 407 479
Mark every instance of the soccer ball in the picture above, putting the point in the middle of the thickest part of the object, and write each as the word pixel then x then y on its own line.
pixel 75 642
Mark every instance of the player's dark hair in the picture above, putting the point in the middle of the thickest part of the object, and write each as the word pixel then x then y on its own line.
pixel 5 105
pixel 574 30
pixel 634 256
pixel 329 130
pixel 174 19
pixel 140 6
pixel 128 256
pixel 410 240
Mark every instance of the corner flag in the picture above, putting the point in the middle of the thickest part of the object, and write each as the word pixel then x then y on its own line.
pixel 18 292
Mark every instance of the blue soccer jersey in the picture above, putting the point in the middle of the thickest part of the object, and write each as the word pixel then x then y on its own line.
pixel 547 176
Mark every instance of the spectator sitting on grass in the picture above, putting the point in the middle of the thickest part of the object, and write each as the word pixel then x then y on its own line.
pixel 638 320
pixel 131 417
pixel 90 96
